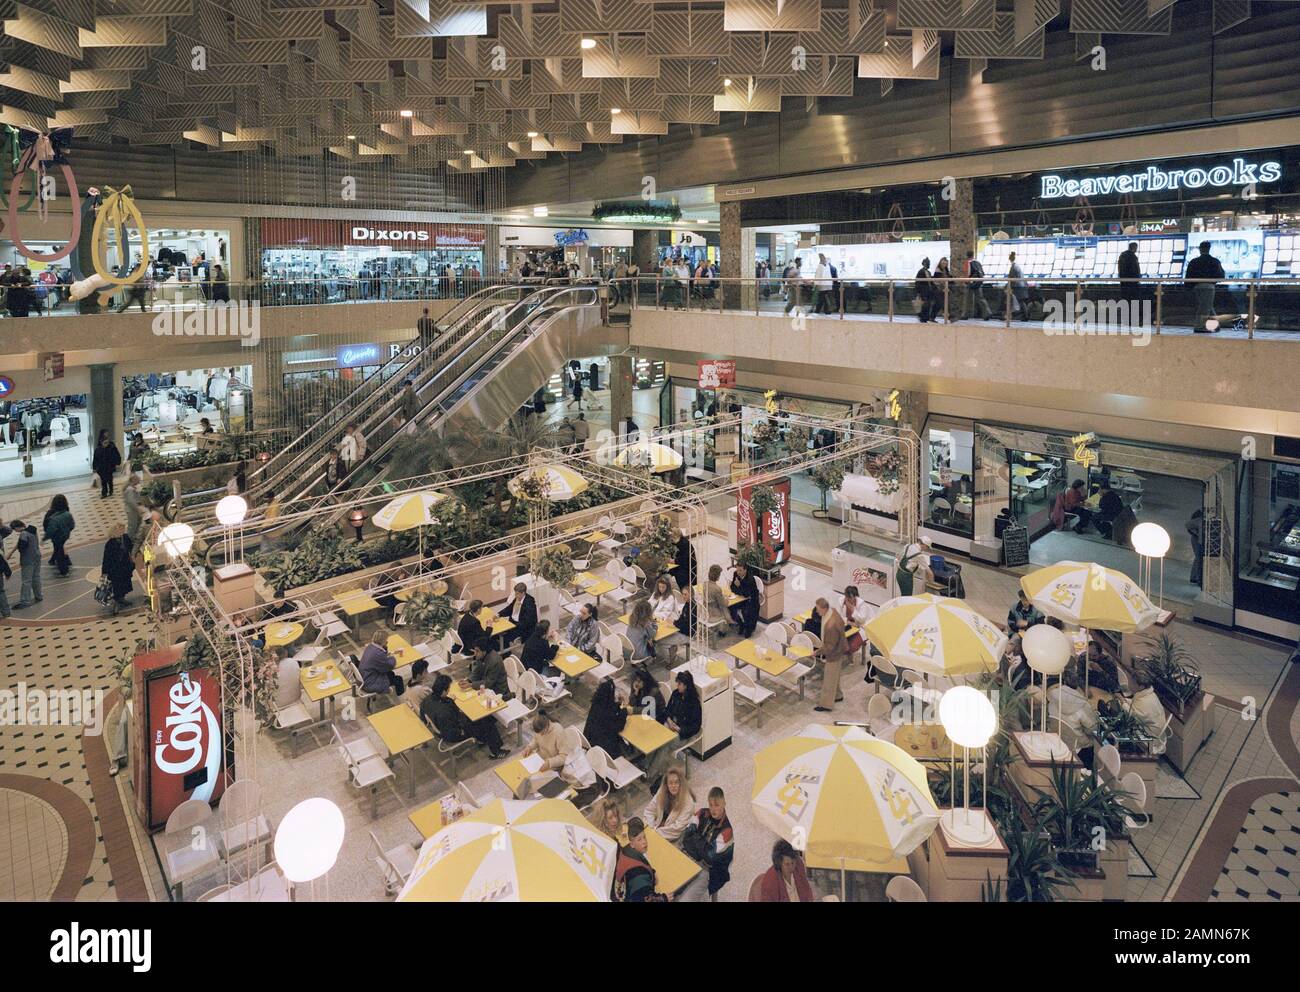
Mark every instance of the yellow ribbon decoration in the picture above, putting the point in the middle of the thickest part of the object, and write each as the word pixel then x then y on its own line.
pixel 113 215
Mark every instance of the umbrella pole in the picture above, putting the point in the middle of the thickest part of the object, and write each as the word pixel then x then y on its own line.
pixel 844 885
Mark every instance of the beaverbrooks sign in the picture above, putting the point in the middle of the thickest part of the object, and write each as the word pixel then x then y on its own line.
pixel 1238 173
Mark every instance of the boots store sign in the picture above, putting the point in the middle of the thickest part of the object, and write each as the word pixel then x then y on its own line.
pixel 284 232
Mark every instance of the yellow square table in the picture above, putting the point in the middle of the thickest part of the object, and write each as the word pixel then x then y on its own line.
pixel 665 628
pixel 594 585
pixel 923 741
pixel 770 662
pixel 355 602
pixel 471 702
pixel 401 730
pixel 322 681
pixel 573 662
pixel 493 624
pixel 673 868
pixel 400 648
pixel 646 734
pixel 280 634
pixel 432 817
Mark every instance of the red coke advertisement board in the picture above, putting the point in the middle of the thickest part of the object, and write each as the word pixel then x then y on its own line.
pixel 775 525
pixel 179 743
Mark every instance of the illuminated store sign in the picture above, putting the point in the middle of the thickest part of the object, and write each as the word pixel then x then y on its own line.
pixel 358 355
pixel 1239 173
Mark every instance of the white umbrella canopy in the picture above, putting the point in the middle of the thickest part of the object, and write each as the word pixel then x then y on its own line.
pixel 1090 595
pixel 659 457
pixel 558 483
pixel 409 510
pixel 515 851
pixel 936 634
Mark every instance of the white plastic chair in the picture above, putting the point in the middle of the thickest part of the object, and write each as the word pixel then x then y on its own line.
pixel 242 823
pixel 610 649
pixel 294 719
pixel 191 848
pixel 533 686
pixel 1108 760
pixel 903 889
pixel 395 865
pixel 450 748
pixel 1134 791
pixel 367 774
pixel 574 740
pixel 618 772
pixel 750 691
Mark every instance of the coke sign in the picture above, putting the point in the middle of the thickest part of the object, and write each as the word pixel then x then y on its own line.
pixel 774 528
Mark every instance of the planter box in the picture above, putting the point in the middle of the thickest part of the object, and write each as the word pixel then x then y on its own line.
pixel 950 870
pixel 1114 864
pixel 1089 886
pixel 1187 734
pixel 773 605
pixel 193 479
pixel 1031 771
pixel 326 588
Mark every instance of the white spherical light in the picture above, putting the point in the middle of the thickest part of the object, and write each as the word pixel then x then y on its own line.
pixel 1150 540
pixel 176 539
pixel 308 840
pixel 231 510
pixel 1046 649
pixel 967 716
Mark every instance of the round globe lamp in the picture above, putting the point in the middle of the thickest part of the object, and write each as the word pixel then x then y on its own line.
pixel 1151 542
pixel 1047 652
pixel 176 539
pixel 308 840
pixel 969 719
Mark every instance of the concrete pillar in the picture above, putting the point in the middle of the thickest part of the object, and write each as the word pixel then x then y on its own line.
pixel 961 239
pixel 733 253
pixel 106 404
pixel 268 385
pixel 645 245
pixel 622 380
pixel 492 252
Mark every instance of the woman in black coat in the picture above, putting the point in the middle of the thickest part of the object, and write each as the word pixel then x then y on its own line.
pixel 683 571
pixel 117 564
pixel 105 462
pixel 605 720
pixel 745 614
pixel 469 629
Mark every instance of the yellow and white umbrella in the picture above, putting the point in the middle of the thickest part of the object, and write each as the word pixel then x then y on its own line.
pixel 515 851
pixel 936 634
pixel 840 794
pixel 659 457
pixel 561 483
pixel 409 510
pixel 1090 595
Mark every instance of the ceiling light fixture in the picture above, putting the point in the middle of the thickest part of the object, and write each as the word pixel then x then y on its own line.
pixel 532 134
pixel 588 43
pixel 615 110
pixel 540 211
pixel 726 82
pixel 406 113
pixel 469 151
pixel 352 137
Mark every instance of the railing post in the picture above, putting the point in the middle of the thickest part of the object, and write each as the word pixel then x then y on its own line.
pixel 1250 310
pixel 890 287
pixel 947 286
pixel 1078 298
pixel 1160 301
pixel 1006 304
pixel 758 294
pixel 841 300
pixel 658 291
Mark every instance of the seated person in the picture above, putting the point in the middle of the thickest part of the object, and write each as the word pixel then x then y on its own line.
pixel 548 744
pixel 454 726
pixel 634 879
pixel 684 714
pixel 787 879
pixel 522 610
pixel 583 631
pixel 377 665
pixel 487 670
pixel 1109 506
pixel 644 696
pixel 418 686
pixel 469 629
pixel 606 719
pixel 288 687
pixel 1022 615
pixel 712 600
pixel 672 807
pixel 745 613
pixel 539 650
pixel 663 601
pixel 1071 501
pixel 813 625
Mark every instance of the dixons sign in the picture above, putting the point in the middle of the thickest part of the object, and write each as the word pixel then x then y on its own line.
pixel 1239 173
pixel 381 234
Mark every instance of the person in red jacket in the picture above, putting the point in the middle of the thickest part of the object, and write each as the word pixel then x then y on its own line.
pixel 787 879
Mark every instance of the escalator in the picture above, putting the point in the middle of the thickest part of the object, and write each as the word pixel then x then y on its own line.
pixel 414 361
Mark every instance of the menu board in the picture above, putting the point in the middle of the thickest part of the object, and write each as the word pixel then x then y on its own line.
pixel 1015 546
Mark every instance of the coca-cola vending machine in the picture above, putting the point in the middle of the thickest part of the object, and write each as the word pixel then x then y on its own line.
pixel 775 525
pixel 179 746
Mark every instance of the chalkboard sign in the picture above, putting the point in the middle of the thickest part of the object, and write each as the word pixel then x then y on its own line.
pixel 1015 546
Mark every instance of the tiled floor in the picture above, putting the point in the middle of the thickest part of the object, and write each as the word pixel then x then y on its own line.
pixel 1265 861
pixel 33 847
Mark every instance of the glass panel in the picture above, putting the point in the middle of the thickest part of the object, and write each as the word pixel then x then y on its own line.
pixel 1270 546
pixel 951 457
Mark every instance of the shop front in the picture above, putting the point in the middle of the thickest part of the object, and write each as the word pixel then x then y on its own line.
pixel 315 260
pixel 595 250
pixel 45 425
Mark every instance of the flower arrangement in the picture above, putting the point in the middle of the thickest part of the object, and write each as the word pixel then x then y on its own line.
pixel 657 541
pixel 884 468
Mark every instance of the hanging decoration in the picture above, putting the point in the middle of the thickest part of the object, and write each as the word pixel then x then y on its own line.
pixel 13 155
pixel 116 211
pixel 896 215
pixel 44 149
pixel 1128 215
pixel 637 212
pixel 1083 217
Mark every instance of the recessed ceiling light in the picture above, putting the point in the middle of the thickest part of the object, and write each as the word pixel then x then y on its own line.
pixel 615 110
pixel 352 137
pixel 532 134
pixel 469 151
pixel 701 220
pixel 588 42
pixel 726 82
pixel 540 211
pixel 405 113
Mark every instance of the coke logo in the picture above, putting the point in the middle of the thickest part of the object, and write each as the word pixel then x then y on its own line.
pixel 190 736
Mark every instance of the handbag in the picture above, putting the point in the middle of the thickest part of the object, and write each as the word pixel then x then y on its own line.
pixel 695 844
pixel 104 591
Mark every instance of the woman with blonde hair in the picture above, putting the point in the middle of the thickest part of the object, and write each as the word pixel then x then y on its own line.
pixel 642 630
pixel 607 817
pixel 673 806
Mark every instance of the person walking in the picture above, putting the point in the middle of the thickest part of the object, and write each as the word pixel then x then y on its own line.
pixel 131 505
pixel 577 388
pixel 117 565
pixel 426 328
pixel 581 432
pixel 1019 291
pixel 923 291
pixel 1201 273
pixel 976 305
pixel 835 651
pixel 1130 271
pixel 28 549
pixel 941 289
pixel 792 276
pixel 5 574
pixel 58 526
pixel 105 462
pixel 822 286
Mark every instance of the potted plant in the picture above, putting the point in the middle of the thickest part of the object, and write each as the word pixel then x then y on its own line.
pixel 764 437
pixel 552 565
pixel 762 501
pixel 656 544
pixel 430 613
pixel 826 477
pixel 1085 818
pixel 1172 672
pixel 1033 872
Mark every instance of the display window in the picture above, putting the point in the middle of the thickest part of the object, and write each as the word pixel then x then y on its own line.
pixel 950 451
pixel 1268 554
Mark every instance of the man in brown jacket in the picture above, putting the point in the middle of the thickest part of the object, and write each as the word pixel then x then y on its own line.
pixel 835 648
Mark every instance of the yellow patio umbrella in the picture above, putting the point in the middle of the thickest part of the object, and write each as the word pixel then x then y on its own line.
pixel 936 634
pixel 515 851
pixel 1090 595
pixel 659 457
pixel 409 510
pixel 559 483
pixel 840 794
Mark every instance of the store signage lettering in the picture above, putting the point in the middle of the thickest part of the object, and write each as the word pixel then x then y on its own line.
pixel 895 408
pixel 1239 173
pixel 1085 449
pixel 379 234
pixel 6 387
pixel 717 374
pixel 571 237
pixel 357 355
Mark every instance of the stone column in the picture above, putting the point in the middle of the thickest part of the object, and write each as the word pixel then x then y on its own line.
pixel 491 252
pixel 961 239
pixel 268 386
pixel 106 405
pixel 733 253
pixel 622 380
pixel 645 249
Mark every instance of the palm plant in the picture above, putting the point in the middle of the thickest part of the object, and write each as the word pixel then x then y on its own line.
pixel 431 613
pixel 1078 810
pixel 1033 872
pixel 1172 672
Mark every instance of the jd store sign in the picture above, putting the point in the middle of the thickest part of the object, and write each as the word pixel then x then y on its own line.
pixel 1237 173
